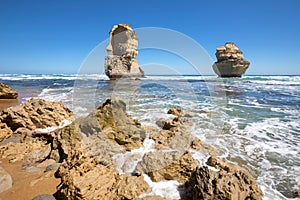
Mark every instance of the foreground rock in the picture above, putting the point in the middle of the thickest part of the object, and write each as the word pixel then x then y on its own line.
pixel 161 166
pixel 33 114
pixel 229 182
pixel 5 131
pixel 83 177
pixel 231 62
pixel 105 132
pixel 6 92
pixel 122 51
pixel 5 180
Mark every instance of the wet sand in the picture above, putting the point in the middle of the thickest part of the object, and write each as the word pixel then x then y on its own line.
pixel 6 103
pixel 27 185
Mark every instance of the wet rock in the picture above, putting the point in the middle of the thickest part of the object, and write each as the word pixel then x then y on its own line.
pixel 83 177
pixel 296 194
pixel 122 51
pixel 167 166
pixel 206 149
pixel 44 197
pixel 6 92
pixel 5 132
pixel 5 180
pixel 229 181
pixel 175 111
pixel 231 62
pixel 35 113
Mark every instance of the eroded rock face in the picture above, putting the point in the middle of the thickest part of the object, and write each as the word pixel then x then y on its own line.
pixel 229 182
pixel 35 113
pixel 5 131
pixel 231 62
pixel 122 51
pixel 173 165
pixel 83 177
pixel 6 92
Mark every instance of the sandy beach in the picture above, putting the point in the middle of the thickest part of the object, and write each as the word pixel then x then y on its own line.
pixel 27 185
pixel 6 103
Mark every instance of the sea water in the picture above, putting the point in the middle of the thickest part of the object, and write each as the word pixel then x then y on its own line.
pixel 254 121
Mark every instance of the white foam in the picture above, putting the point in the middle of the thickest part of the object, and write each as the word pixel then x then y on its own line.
pixel 166 189
pixel 53 128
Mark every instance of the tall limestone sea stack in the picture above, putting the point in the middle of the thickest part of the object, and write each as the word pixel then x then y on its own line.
pixel 122 51
pixel 231 62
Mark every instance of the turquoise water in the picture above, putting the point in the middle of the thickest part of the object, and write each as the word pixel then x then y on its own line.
pixel 253 121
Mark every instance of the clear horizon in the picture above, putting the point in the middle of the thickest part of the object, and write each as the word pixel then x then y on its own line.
pixel 53 37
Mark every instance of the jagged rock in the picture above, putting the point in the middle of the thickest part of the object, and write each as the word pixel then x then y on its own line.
pixel 231 62
pixel 122 51
pixel 175 111
pixel 229 181
pixel 83 177
pixel 17 151
pixel 6 92
pixel 167 166
pixel 35 113
pixel 5 180
pixel 5 132
pixel 176 135
pixel 105 132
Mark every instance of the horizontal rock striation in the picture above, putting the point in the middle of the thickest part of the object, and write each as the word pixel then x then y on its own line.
pixel 230 61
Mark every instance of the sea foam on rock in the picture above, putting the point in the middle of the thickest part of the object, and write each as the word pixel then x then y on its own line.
pixel 231 62
pixel 86 150
pixel 122 51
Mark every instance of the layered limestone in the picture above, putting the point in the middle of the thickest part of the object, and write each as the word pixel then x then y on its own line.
pixel 122 51
pixel 6 92
pixel 230 61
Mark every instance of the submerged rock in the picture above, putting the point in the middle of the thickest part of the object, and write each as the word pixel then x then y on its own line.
pixel 228 181
pixel 6 92
pixel 231 62
pixel 122 51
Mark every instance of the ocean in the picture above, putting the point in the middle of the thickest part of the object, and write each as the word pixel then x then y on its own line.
pixel 254 121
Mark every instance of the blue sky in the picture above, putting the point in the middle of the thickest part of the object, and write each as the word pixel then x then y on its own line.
pixel 39 36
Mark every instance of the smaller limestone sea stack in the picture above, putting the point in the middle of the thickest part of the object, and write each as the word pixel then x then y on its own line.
pixel 122 51
pixel 6 92
pixel 231 62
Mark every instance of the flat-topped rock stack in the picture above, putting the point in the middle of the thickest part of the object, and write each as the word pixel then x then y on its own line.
pixel 122 51
pixel 231 62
